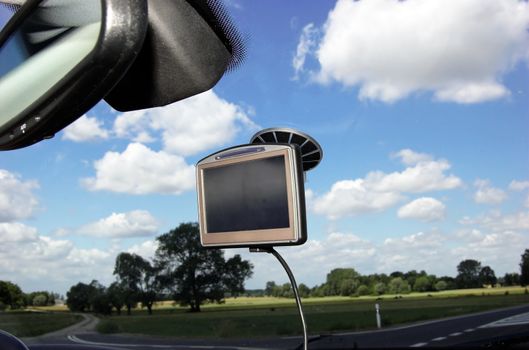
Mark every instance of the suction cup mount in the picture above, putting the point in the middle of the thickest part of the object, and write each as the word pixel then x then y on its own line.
pixel 311 151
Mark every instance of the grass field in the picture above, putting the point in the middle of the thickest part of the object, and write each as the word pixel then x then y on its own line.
pixel 30 324
pixel 254 317
pixel 267 316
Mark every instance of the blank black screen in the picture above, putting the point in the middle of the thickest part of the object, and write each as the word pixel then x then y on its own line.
pixel 250 195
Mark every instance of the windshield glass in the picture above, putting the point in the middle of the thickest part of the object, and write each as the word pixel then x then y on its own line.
pixel 418 211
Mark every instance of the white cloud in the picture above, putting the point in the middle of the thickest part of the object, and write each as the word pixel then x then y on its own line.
pixel 425 209
pixel 518 185
pixel 419 240
pixel 392 49
pixel 136 223
pixel 133 125
pixel 146 249
pixel 28 259
pixel 16 232
pixel 495 221
pixel 378 191
pixel 17 200
pixel 500 249
pixel 422 177
pixel 353 197
pixel 85 129
pixel 140 170
pixel 410 157
pixel 312 261
pixel 307 43
pixel 485 194
pixel 422 250
pixel 189 126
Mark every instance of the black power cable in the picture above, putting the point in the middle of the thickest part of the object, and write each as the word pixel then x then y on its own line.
pixel 274 252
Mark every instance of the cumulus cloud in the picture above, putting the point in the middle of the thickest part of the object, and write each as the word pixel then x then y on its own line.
pixel 353 197
pixel 410 157
pixel 85 129
pixel 312 261
pixel 307 43
pixel 518 185
pixel 189 126
pixel 496 221
pixel 140 170
pixel 424 209
pixel 378 191
pixel 16 232
pixel 17 200
pixel 146 249
pixel 136 223
pixel 422 177
pixel 486 194
pixel 133 125
pixel 392 49
pixel 29 258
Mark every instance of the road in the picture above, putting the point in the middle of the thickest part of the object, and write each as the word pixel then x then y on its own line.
pixel 480 329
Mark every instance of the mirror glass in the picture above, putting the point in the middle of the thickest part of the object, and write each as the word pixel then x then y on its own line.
pixel 44 49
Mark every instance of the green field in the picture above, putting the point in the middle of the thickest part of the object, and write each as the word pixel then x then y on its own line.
pixel 267 316
pixel 255 317
pixel 30 324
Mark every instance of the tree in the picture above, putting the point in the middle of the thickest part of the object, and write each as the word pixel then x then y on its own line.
pixel 487 276
pixel 79 296
pixel 39 300
pixel 399 286
pixel 117 295
pixel 191 273
pixel 11 295
pixel 99 299
pixel 524 268
pixel 468 274
pixel 348 287
pixel 440 285
pixel 138 279
pixel 236 271
pixel 269 288
pixel 336 278
pixel 362 290
pixel 511 279
pixel 128 269
pixel 380 288
pixel 304 291
pixel 422 284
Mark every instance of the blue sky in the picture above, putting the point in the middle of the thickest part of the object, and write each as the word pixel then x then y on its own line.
pixel 422 110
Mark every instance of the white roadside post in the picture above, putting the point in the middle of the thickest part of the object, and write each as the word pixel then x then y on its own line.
pixel 377 308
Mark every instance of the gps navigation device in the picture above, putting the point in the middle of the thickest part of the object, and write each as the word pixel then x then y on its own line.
pixel 252 196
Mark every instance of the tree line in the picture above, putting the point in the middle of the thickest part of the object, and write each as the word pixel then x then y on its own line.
pixel 12 297
pixel 181 271
pixel 348 282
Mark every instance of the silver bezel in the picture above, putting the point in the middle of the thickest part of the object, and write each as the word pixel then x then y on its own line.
pixel 283 236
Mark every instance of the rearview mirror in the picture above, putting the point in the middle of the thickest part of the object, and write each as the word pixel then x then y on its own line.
pixel 59 58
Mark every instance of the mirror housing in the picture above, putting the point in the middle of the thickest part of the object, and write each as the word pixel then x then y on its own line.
pixel 121 35
pixel 189 45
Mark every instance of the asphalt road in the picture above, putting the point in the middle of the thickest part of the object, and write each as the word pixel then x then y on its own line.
pixel 485 329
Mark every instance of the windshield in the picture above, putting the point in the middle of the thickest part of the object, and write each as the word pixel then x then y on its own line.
pixel 418 211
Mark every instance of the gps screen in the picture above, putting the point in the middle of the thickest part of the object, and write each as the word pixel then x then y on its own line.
pixel 250 195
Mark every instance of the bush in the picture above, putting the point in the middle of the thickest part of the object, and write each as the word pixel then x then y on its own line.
pixel 363 290
pixel 40 300
pixel 107 327
pixel 441 285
